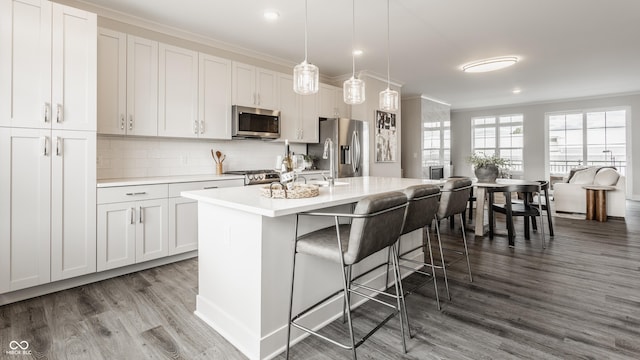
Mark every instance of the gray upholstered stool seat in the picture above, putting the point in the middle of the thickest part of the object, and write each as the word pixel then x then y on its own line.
pixel 376 224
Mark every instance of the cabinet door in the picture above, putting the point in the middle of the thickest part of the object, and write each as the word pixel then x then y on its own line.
pixel 309 121
pixel 214 97
pixel 178 92
pixel 73 204
pixel 327 106
pixel 142 86
pixel 267 89
pixel 25 157
pixel 116 235
pixel 244 84
pixel 25 63
pixel 183 225
pixel 151 230
pixel 289 109
pixel 112 82
pixel 74 68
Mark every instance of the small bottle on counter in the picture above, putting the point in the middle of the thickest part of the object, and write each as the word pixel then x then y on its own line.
pixel 287 175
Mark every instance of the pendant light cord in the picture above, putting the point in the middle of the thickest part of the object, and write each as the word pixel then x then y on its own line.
pixel 388 57
pixel 353 37
pixel 305 30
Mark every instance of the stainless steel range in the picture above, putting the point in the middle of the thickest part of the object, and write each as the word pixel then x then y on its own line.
pixel 253 177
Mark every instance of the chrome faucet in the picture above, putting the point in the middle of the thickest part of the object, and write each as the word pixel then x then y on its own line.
pixel 329 154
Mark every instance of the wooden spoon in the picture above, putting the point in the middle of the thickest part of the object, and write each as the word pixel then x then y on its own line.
pixel 213 156
pixel 218 154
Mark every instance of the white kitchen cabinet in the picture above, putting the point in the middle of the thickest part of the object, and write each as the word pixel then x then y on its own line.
pixel 331 102
pixel 183 213
pixel 73 204
pixel 298 113
pixel 214 97
pixel 47 216
pixel 178 92
pixel 132 225
pixel 25 221
pixel 142 86
pixel 254 87
pixel 47 66
pixel 112 82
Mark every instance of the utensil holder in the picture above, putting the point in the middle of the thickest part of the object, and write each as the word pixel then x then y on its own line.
pixel 219 169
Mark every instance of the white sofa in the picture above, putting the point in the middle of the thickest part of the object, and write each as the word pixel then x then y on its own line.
pixel 569 196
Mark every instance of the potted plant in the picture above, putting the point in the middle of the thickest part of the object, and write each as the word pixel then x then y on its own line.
pixel 488 167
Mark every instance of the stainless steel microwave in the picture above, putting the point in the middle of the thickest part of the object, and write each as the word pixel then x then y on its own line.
pixel 255 123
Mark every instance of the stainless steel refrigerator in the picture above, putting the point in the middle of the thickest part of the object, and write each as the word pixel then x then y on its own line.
pixel 348 138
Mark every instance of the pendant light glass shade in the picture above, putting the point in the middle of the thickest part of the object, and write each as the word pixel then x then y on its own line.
pixel 389 100
pixel 306 76
pixel 388 97
pixel 353 91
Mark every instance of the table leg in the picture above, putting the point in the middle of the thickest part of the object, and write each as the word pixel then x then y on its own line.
pixel 591 204
pixel 480 201
pixel 601 205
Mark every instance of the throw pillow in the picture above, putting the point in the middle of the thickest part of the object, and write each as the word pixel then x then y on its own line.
pixel 584 177
pixel 608 177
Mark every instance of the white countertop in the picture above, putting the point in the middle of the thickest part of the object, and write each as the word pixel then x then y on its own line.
pixel 248 198
pixel 164 180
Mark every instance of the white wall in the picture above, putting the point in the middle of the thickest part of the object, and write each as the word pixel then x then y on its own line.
pixel 126 157
pixel 535 134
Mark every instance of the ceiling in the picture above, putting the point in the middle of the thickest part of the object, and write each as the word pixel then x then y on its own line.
pixel 568 48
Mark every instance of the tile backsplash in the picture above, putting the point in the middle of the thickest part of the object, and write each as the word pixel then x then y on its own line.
pixel 124 157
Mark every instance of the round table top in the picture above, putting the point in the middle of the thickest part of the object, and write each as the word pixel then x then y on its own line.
pixel 598 187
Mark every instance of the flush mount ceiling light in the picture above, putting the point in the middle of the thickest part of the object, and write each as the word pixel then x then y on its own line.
pixel 353 91
pixel 357 52
pixel 388 99
pixel 490 64
pixel 516 91
pixel 271 15
pixel 305 76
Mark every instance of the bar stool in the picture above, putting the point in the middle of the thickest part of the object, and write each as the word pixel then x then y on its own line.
pixel 453 201
pixel 423 205
pixel 376 224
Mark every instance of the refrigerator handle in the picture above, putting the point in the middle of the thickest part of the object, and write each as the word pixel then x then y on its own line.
pixel 355 152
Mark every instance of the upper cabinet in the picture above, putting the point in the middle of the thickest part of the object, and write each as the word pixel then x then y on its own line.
pixel 332 104
pixel 254 86
pixel 112 82
pixel 214 97
pixel 298 113
pixel 47 66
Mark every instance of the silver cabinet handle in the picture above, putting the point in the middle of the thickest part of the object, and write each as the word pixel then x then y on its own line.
pixel 210 187
pixel 59 113
pixel 121 122
pixel 132 216
pixel 258 99
pixel 136 193
pixel 195 127
pixel 45 145
pixel 130 122
pixel 255 100
pixel 58 146
pixel 45 110
pixel 201 126
pixel 141 212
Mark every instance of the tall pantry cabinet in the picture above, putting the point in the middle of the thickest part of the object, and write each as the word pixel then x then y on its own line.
pixel 47 143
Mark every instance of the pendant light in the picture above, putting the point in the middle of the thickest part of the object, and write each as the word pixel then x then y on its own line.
pixel 353 91
pixel 388 97
pixel 305 75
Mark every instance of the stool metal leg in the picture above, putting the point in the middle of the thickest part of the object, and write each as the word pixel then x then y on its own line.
pixel 433 272
pixel 444 266
pixel 346 286
pixel 404 304
pixel 399 296
pixel 466 250
pixel 347 297
pixel 293 272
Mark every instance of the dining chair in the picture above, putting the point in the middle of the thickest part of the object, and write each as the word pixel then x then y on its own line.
pixel 376 224
pixel 510 209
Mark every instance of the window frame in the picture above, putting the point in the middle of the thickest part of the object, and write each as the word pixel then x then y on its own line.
pixel 496 126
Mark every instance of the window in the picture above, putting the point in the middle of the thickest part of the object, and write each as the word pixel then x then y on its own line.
pixel 436 143
pixel 502 135
pixel 587 138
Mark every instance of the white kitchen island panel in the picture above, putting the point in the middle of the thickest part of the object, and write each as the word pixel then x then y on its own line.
pixel 245 244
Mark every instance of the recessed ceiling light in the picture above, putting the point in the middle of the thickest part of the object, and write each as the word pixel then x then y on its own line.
pixel 490 64
pixel 357 52
pixel 271 15
pixel 517 91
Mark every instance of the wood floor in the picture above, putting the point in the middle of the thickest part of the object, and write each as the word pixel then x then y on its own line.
pixel 578 299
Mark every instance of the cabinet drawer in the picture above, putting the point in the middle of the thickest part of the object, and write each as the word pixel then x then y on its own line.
pixel 175 189
pixel 131 193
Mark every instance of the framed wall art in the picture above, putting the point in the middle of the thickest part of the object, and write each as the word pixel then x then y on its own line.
pixel 386 137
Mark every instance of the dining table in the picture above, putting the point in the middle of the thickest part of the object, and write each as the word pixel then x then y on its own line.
pixel 480 228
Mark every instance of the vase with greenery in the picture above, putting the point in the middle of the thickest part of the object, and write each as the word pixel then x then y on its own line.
pixel 488 167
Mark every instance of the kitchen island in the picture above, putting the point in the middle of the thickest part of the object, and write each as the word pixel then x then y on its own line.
pixel 245 248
